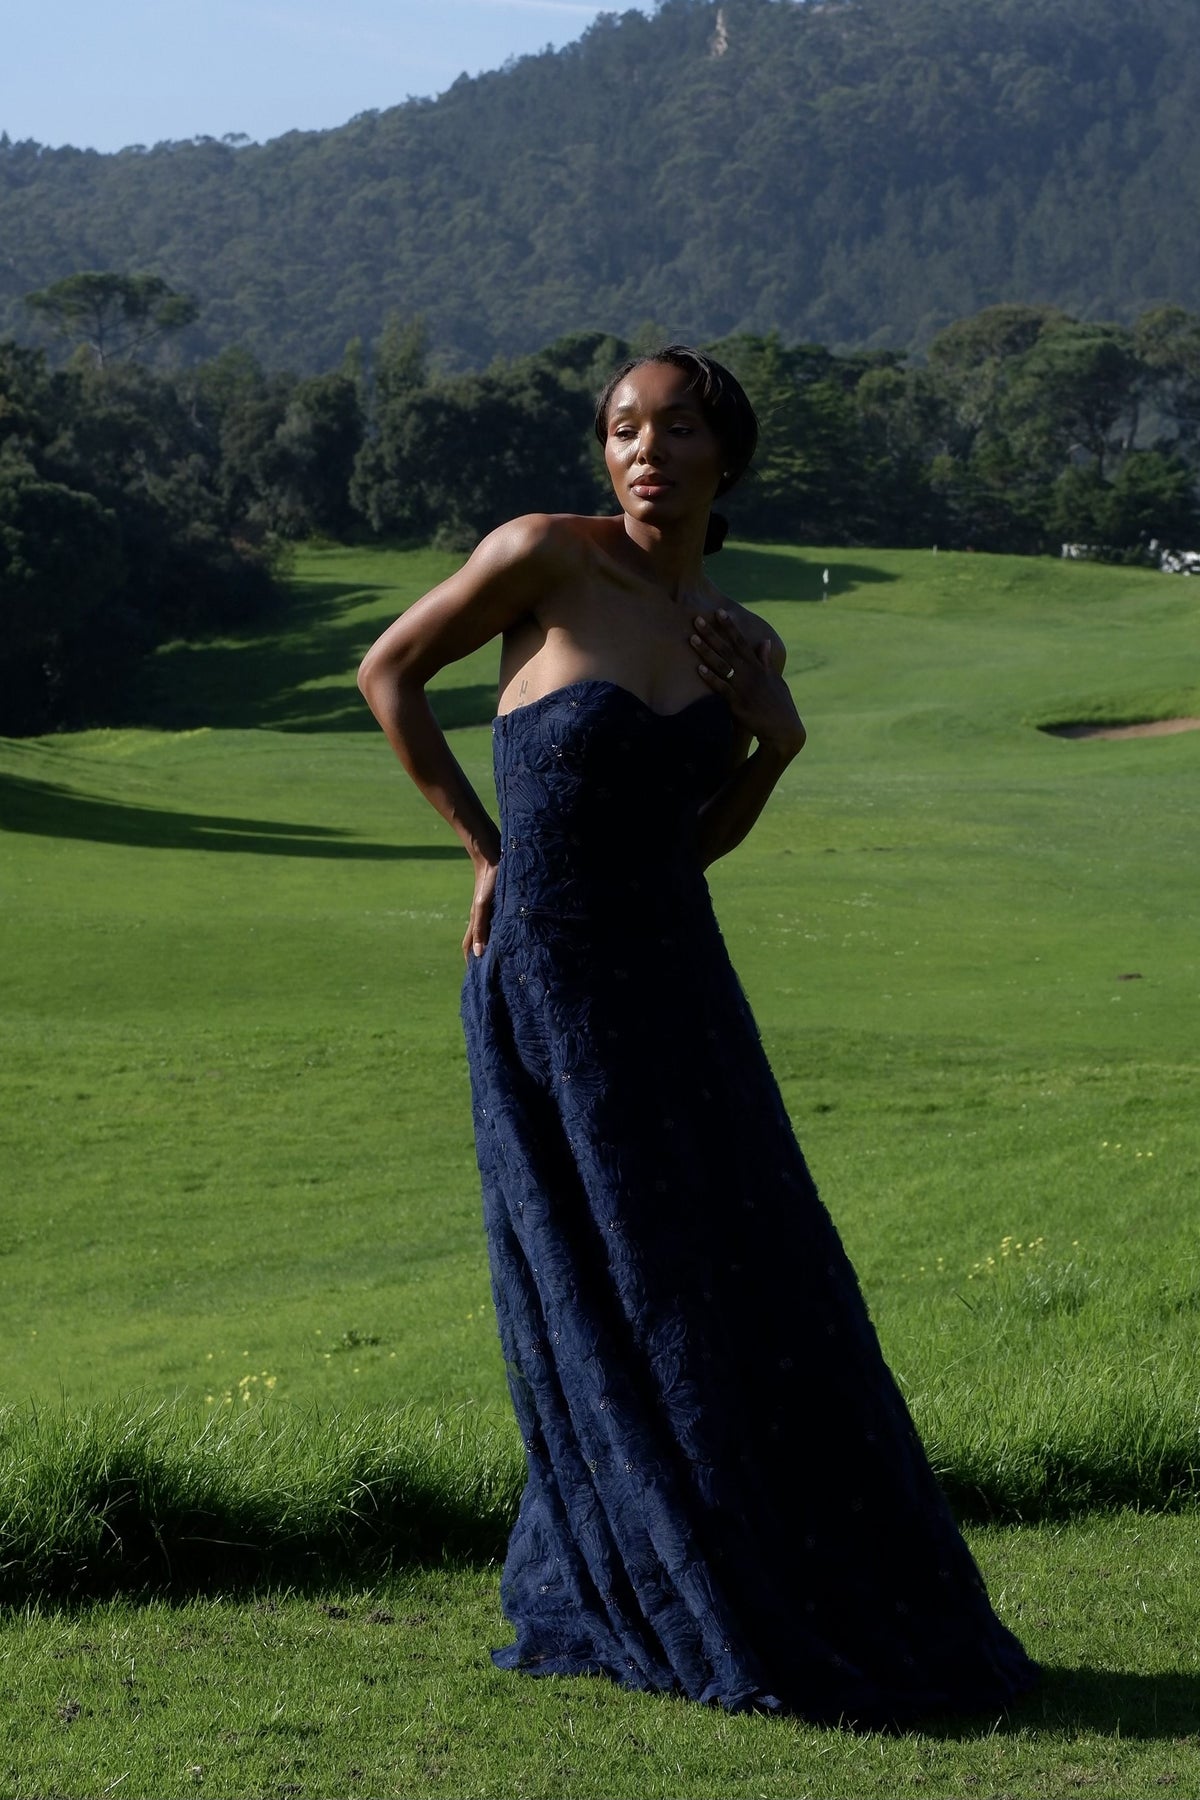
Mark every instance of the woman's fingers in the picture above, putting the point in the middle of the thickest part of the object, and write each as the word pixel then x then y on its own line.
pixel 719 652
pixel 727 632
pixel 722 638
pixel 757 694
pixel 475 940
pixel 480 932
pixel 475 937
pixel 479 926
pixel 725 650
pixel 731 631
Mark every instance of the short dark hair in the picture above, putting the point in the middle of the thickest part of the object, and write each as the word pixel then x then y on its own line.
pixel 722 401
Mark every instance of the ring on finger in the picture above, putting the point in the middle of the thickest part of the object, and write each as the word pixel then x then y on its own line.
pixel 729 675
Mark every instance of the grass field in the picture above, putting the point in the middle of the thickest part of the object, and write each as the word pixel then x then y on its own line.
pixel 389 1691
pixel 242 1189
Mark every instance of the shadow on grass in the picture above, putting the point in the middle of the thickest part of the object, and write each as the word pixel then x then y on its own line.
pixel 294 675
pixel 1123 1703
pixel 129 1548
pixel 764 573
pixel 136 1501
pixel 455 707
pixel 264 677
pixel 294 672
pixel 44 810
pixel 1068 1700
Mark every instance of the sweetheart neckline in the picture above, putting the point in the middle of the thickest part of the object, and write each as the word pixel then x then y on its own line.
pixel 602 681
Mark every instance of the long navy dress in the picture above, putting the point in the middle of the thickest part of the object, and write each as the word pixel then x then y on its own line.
pixel 726 1496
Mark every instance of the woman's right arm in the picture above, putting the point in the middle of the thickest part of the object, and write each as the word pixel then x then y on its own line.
pixel 502 582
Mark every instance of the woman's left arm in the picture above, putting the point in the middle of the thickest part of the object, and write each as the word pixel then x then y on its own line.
pixel 750 676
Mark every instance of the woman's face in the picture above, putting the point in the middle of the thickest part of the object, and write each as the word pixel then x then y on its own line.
pixel 662 454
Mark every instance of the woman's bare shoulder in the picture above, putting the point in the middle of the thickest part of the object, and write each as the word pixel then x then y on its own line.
pixel 542 537
pixel 556 546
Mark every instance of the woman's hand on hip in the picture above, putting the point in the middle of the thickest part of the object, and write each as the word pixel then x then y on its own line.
pixel 752 683
pixel 479 926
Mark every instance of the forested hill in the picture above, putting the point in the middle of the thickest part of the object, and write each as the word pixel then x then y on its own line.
pixel 848 171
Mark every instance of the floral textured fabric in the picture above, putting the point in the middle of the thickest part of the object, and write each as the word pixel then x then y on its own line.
pixel 726 1496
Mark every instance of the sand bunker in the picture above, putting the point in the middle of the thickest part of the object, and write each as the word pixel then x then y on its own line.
pixel 1148 728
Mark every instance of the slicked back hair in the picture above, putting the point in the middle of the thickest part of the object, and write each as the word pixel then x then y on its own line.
pixel 722 401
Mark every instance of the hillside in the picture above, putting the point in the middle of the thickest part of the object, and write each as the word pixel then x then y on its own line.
pixel 853 172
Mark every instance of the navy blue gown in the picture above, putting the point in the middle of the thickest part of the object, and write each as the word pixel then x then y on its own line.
pixel 726 1496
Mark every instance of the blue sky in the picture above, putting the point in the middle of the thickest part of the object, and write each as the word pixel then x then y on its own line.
pixel 135 71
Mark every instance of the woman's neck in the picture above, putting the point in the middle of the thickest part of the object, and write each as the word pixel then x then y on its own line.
pixel 672 557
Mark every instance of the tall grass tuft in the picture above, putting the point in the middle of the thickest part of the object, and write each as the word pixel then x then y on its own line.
pixel 137 1498
pixel 1067 1437
pixel 126 1498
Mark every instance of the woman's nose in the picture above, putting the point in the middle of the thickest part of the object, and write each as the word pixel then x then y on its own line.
pixel 649 446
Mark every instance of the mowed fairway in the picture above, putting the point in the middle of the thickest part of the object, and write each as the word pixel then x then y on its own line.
pixel 238 1170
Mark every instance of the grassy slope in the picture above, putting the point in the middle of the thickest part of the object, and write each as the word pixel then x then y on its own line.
pixel 235 1092
pixel 235 1115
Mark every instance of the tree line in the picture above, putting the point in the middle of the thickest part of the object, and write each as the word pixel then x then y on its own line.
pixel 139 504
pixel 858 172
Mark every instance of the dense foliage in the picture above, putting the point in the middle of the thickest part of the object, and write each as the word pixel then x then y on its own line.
pixel 136 506
pixel 115 534
pixel 1022 429
pixel 855 171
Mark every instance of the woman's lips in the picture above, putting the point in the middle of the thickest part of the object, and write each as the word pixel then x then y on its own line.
pixel 650 488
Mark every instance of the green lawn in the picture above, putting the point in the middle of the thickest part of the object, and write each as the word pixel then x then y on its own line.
pixel 236 1143
pixel 389 1691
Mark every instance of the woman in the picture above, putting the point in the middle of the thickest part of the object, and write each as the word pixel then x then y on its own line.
pixel 725 1492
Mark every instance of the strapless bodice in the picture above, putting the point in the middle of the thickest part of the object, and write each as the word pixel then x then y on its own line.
pixel 599 796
